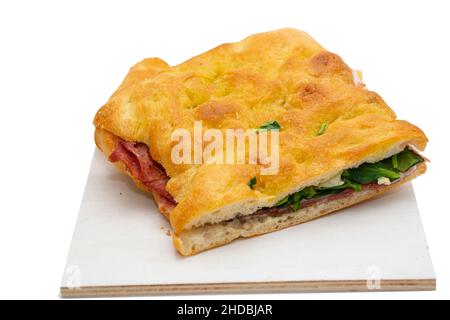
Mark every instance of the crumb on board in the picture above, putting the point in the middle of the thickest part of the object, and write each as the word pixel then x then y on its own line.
pixel 168 232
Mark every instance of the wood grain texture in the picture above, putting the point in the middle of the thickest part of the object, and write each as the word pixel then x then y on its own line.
pixel 255 287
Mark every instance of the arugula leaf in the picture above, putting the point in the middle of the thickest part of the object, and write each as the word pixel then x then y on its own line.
pixel 308 192
pixel 348 184
pixel 405 160
pixel 252 182
pixel 294 200
pixel 395 161
pixel 354 178
pixel 327 191
pixel 389 168
pixel 271 125
pixel 353 185
pixel 282 201
pixel 322 129
pixel 370 172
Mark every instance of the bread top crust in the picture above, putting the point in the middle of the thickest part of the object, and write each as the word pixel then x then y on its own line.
pixel 282 75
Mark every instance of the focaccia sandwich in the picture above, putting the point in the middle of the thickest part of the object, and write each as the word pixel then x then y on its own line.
pixel 339 143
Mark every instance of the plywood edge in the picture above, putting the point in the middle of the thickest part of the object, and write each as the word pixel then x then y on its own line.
pixel 249 287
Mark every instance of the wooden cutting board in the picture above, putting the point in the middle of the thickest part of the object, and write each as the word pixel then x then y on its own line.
pixel 121 246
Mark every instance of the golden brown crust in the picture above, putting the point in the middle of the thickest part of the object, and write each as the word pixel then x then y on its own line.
pixel 282 75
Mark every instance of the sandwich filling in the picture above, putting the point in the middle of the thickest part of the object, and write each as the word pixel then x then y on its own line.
pixel 152 176
pixel 367 175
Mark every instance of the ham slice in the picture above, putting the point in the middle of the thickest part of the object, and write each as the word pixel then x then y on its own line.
pixel 143 168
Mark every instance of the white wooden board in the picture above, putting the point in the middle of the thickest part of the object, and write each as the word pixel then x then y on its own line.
pixel 120 247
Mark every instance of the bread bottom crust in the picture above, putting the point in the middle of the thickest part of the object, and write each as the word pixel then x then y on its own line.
pixel 210 236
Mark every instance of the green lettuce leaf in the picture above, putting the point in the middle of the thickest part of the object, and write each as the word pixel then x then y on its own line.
pixel 370 172
pixel 322 128
pixel 406 159
pixel 251 182
pixel 391 168
pixel 271 125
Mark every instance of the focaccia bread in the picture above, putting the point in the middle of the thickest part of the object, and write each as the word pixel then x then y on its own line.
pixel 283 76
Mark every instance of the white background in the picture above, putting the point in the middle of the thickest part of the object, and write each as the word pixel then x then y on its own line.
pixel 60 61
